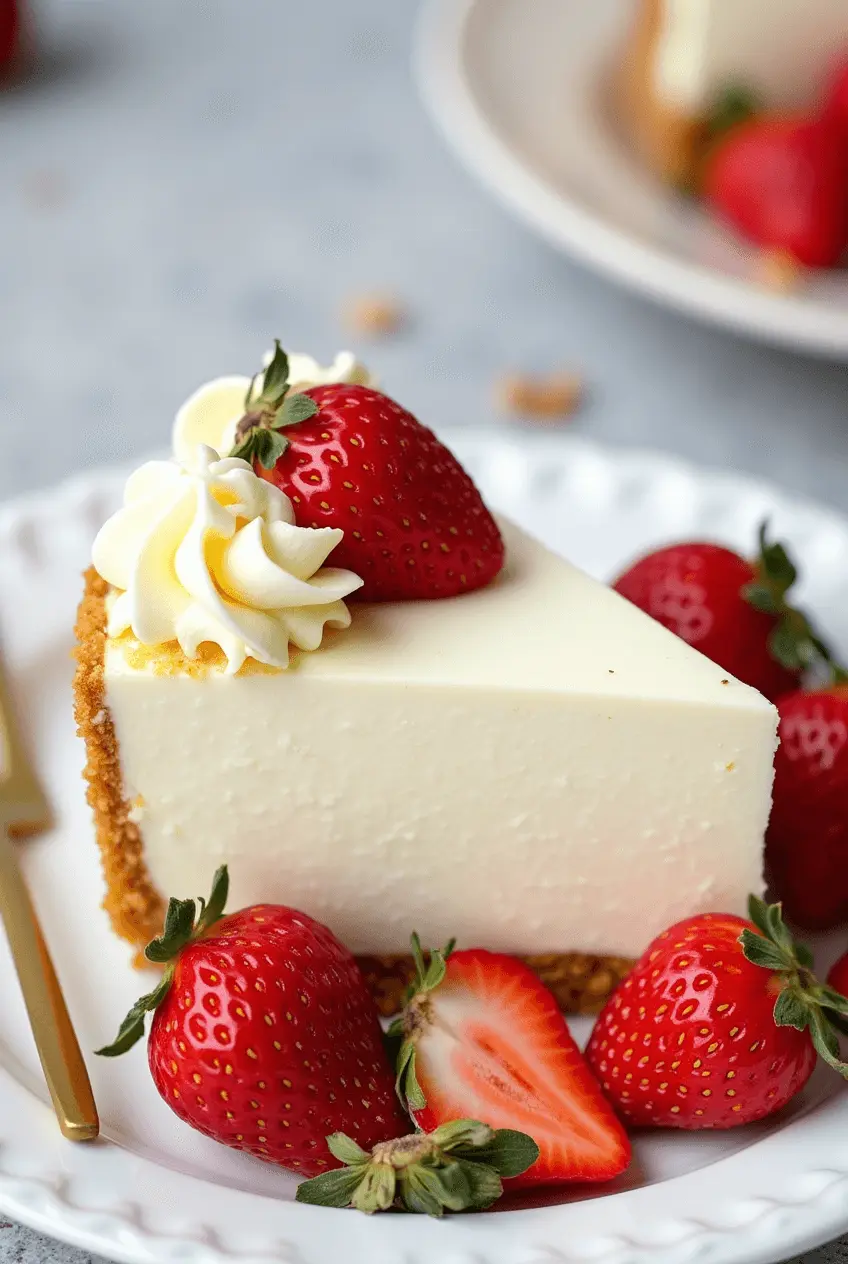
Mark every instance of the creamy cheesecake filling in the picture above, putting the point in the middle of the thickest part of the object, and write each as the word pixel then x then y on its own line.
pixel 536 767
pixel 491 818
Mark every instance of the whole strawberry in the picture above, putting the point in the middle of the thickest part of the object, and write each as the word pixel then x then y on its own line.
pixel 264 1036
pixel 717 1025
pixel 348 456
pixel 733 610
pixel 807 839
pixel 782 181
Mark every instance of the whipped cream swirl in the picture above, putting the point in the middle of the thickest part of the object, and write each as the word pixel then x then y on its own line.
pixel 213 412
pixel 204 550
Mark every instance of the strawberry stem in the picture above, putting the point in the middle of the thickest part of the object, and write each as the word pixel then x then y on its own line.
pixel 185 922
pixel 459 1167
pixel 414 1019
pixel 259 433
pixel 802 1001
pixel 793 642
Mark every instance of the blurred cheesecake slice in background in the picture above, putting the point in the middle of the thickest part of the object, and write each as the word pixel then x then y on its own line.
pixel 684 56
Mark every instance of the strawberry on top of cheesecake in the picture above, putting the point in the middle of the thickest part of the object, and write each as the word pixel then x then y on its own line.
pixel 349 456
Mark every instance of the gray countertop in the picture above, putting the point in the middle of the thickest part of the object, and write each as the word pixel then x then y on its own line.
pixel 182 182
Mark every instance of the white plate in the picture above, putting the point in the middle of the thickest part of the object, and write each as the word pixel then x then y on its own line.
pixel 518 87
pixel 152 1189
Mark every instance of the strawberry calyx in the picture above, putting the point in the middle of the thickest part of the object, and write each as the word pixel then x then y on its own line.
pixel 415 1019
pixel 259 434
pixel 736 103
pixel 459 1167
pixel 793 640
pixel 802 1001
pixel 185 922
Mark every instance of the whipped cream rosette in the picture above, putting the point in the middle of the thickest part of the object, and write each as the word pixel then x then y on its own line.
pixel 205 551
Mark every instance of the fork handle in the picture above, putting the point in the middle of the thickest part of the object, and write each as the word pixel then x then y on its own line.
pixel 57 1044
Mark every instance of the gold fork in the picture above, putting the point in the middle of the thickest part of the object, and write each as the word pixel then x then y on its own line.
pixel 24 810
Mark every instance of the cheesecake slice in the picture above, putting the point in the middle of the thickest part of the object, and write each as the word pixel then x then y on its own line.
pixel 684 55
pixel 537 767
pixel 531 765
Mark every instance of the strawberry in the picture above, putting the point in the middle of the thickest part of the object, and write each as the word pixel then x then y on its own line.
pixel 9 30
pixel 782 181
pixel 734 611
pixel 717 1025
pixel 264 1036
pixel 807 839
pixel 482 1037
pixel 838 975
pixel 836 103
pixel 348 456
pixel 735 104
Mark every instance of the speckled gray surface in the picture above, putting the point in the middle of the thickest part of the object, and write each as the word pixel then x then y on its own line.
pixel 184 181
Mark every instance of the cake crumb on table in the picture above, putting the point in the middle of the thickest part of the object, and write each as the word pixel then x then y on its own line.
pixel 373 315
pixel 551 398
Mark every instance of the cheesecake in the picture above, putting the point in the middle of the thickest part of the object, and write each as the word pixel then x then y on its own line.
pixel 533 765
pixel 683 56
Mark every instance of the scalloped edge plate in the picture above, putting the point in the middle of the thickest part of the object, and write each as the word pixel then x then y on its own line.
pixel 153 1191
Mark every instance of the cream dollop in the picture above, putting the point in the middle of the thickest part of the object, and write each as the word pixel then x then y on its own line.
pixel 204 550
pixel 212 413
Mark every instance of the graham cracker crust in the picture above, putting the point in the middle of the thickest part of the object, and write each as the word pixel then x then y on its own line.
pixel 666 139
pixel 135 907
pixel 581 983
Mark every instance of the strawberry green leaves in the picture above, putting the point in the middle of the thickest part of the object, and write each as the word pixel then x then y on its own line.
pixel 266 415
pixel 185 921
pixel 188 919
pixel 428 976
pixel 735 104
pixel 459 1167
pixel 802 1002
pixel 793 640
pixel 131 1029
pixel 262 445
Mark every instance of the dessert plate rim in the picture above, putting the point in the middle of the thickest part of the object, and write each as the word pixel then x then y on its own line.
pixel 453 64
pixel 786 1192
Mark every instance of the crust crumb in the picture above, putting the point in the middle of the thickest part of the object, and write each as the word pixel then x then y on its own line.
pixel 169 660
pixel 373 315
pixel 555 397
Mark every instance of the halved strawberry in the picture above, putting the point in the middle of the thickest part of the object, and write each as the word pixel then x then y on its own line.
pixel 484 1039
